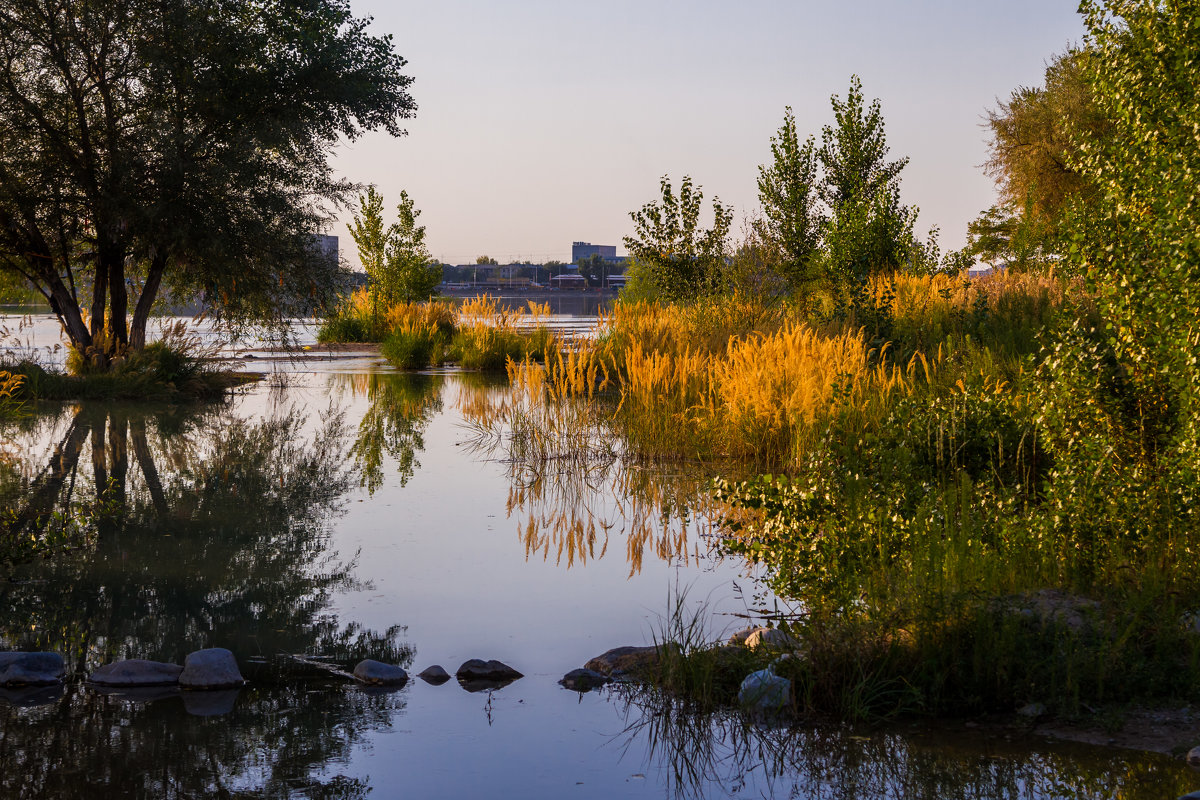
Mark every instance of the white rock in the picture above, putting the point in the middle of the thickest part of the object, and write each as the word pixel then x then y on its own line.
pixel 770 638
pixel 764 691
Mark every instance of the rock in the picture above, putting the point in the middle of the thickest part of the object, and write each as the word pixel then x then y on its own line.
pixel 31 669
pixel 770 639
pixel 214 668
pixel 1193 757
pixel 621 661
pixel 584 680
pixel 210 704
pixel 764 691
pixel 434 675
pixel 136 672
pixel 741 636
pixel 1051 606
pixel 376 673
pixel 1032 710
pixel 1192 796
pixel 480 670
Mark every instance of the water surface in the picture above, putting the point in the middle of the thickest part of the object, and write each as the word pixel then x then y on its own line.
pixel 339 510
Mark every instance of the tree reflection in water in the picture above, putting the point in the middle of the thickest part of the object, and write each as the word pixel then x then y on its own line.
pixel 698 751
pixel 190 528
pixel 400 408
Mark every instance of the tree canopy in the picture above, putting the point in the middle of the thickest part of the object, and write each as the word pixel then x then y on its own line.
pixel 151 143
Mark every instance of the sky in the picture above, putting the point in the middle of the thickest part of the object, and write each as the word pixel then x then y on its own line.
pixel 543 122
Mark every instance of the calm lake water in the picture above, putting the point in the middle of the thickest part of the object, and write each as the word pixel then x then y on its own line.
pixel 341 509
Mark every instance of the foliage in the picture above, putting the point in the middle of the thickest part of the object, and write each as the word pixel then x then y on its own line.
pixel 1034 150
pixel 414 346
pixel 371 239
pixel 672 256
pixel 183 146
pixel 793 220
pixel 411 274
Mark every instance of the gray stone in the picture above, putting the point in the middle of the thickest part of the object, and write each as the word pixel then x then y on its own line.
pixel 622 661
pixel 31 669
pixel 214 668
pixel 376 673
pixel 584 680
pixel 210 704
pixel 1032 710
pixel 1192 796
pixel 479 670
pixel 764 691
pixel 770 639
pixel 137 672
pixel 1193 757
pixel 434 675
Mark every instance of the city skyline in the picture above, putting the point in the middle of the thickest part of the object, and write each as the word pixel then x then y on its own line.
pixel 544 123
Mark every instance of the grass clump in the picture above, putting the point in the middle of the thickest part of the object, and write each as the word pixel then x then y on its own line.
pixel 414 346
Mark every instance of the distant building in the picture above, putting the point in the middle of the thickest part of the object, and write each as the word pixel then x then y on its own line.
pixel 327 246
pixel 581 250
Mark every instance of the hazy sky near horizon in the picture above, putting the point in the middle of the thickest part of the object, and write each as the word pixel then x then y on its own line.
pixel 543 122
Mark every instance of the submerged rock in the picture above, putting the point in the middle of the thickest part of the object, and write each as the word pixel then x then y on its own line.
pixel 214 668
pixel 376 673
pixel 31 669
pixel 137 694
pixel 764 691
pixel 136 672
pixel 584 680
pixel 479 670
pixel 621 661
pixel 434 675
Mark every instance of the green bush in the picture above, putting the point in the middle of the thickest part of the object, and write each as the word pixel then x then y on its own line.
pixel 414 347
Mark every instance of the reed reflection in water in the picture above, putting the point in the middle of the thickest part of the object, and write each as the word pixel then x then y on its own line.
pixel 572 486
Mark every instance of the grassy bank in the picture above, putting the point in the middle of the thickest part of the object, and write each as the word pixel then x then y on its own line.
pixel 922 495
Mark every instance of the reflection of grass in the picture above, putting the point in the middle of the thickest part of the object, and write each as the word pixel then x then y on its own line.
pixel 696 750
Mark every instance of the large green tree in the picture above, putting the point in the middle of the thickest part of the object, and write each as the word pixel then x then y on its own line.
pixel 1033 153
pixel 151 143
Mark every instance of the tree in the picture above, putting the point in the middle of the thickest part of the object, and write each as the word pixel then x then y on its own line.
pixel 869 230
pixel 1033 150
pixel 371 238
pixel 150 143
pixel 1136 239
pixel 593 269
pixel 487 260
pixel 852 152
pixel 793 220
pixel 673 257
pixel 411 273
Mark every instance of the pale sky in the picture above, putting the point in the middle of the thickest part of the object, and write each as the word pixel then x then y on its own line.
pixel 543 122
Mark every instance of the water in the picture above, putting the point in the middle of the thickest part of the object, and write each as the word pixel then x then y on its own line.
pixel 344 509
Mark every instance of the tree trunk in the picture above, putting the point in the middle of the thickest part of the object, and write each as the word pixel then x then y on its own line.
pixel 99 300
pixel 141 312
pixel 118 303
